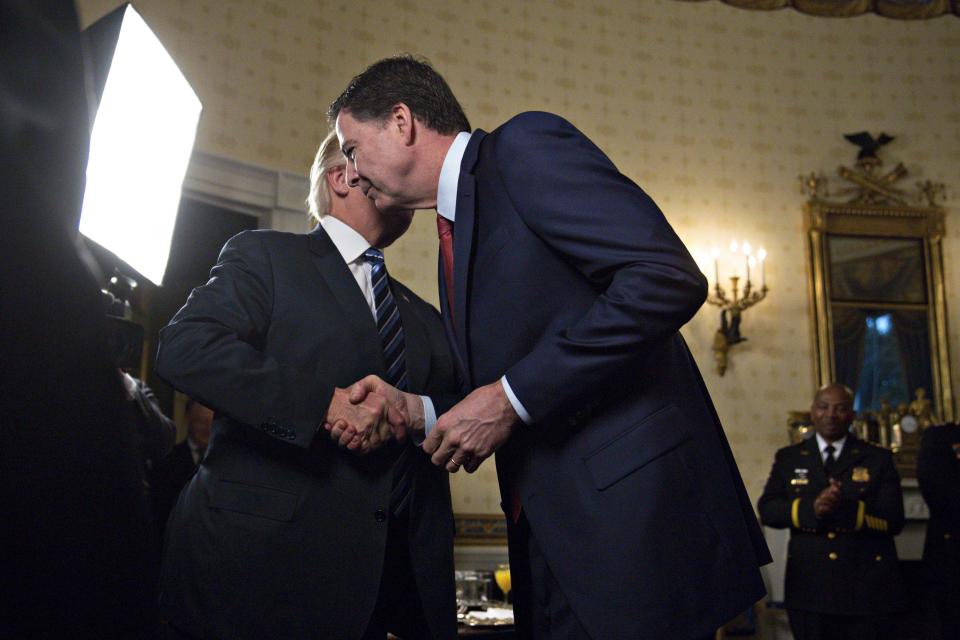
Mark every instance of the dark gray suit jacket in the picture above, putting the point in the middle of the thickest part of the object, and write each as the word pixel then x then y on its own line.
pixel 280 533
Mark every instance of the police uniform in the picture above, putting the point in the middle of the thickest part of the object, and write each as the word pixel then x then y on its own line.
pixel 842 570
pixel 938 472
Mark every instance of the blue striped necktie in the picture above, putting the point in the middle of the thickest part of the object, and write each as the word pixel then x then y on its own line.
pixel 388 321
pixel 390 328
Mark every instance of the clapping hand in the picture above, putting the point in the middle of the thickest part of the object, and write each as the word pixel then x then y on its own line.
pixel 828 500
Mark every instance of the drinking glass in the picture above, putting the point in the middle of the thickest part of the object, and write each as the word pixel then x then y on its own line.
pixel 502 576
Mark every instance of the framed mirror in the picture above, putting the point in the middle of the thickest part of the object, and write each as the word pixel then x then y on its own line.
pixel 877 293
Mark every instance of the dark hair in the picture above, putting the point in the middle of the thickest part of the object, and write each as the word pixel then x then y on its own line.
pixel 372 94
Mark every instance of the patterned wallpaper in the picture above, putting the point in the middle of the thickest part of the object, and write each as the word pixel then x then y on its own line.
pixel 714 111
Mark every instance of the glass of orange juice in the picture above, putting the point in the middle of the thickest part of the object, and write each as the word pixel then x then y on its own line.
pixel 502 576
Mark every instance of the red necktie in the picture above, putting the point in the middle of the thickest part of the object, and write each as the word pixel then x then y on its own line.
pixel 515 507
pixel 445 231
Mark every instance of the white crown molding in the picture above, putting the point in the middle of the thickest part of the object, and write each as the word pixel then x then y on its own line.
pixel 276 198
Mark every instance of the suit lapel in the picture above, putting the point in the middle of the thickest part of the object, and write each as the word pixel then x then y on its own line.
pixel 415 336
pixel 816 465
pixel 851 454
pixel 462 248
pixel 342 284
pixel 463 236
pixel 448 327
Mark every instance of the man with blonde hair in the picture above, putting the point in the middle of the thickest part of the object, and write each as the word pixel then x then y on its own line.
pixel 281 533
pixel 328 157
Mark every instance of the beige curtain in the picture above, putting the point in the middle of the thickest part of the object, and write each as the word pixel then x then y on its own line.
pixel 897 9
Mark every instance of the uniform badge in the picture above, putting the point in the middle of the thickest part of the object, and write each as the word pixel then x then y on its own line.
pixel 861 474
pixel 799 477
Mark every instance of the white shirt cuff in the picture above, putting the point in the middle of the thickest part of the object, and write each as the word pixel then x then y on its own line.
pixel 429 419
pixel 517 405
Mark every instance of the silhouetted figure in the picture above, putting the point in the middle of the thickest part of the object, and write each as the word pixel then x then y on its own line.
pixel 76 536
pixel 938 472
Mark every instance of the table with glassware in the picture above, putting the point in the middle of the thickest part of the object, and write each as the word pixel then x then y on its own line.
pixel 483 608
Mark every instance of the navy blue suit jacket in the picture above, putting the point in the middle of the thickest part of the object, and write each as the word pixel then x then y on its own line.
pixel 569 280
pixel 280 534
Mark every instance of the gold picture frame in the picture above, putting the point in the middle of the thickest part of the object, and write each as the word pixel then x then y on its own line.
pixel 878 215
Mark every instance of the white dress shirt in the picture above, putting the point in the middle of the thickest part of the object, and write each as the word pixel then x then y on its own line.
pixel 351 246
pixel 837 447
pixel 447 207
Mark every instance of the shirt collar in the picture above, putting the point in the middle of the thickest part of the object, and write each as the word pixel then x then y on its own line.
pixel 450 177
pixel 348 242
pixel 837 446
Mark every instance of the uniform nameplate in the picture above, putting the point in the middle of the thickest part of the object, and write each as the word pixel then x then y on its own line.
pixel 861 474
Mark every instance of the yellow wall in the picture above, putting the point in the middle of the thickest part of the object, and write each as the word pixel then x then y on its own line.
pixel 713 110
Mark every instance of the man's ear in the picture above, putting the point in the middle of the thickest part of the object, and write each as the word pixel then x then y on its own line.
pixel 337 181
pixel 401 121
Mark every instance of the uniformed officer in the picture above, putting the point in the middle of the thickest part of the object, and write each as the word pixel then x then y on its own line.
pixel 938 472
pixel 842 501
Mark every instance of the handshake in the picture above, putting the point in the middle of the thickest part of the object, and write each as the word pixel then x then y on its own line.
pixel 371 412
pixel 366 415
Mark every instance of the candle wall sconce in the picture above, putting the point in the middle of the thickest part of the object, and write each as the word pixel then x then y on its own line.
pixel 733 306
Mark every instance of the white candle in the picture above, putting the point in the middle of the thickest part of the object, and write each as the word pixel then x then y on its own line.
pixel 746 253
pixel 762 254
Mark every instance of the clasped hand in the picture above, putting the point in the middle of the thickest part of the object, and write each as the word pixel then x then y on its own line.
pixel 463 437
pixel 401 413
pixel 472 430
pixel 367 422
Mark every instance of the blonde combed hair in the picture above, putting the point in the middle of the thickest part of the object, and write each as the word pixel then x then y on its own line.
pixel 328 156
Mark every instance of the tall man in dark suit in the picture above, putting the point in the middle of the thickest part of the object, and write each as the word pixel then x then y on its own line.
pixel 563 289
pixel 280 533
pixel 77 546
pixel 938 472
pixel 841 499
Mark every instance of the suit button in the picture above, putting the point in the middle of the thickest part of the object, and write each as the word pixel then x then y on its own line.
pixel 878 558
pixel 380 515
pixel 946 536
pixel 833 555
pixel 831 535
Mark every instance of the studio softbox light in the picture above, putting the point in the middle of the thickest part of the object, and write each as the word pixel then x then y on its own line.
pixel 141 142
